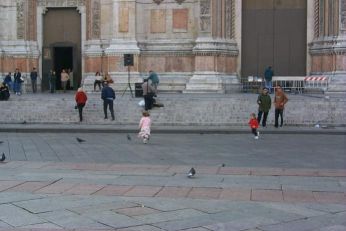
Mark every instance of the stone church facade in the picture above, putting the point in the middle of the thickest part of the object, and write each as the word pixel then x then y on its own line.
pixel 194 45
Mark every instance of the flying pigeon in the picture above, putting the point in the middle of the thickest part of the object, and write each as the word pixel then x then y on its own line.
pixel 3 157
pixel 128 137
pixel 191 173
pixel 80 140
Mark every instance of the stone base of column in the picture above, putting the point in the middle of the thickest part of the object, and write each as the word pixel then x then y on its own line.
pixel 211 82
pixel 337 83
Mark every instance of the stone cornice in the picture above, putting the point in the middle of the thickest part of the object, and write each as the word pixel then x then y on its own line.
pixel 328 46
pixel 60 3
pixel 20 48
pixel 210 46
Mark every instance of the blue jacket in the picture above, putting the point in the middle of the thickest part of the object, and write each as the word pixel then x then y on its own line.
pixel 107 93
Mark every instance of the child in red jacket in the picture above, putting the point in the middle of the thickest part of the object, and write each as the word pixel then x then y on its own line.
pixel 81 99
pixel 254 125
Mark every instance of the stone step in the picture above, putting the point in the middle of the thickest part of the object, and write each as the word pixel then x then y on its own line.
pixel 179 109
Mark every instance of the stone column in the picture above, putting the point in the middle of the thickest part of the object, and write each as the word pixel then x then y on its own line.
pixel 328 48
pixel 216 49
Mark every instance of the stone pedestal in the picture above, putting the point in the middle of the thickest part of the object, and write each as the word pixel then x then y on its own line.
pixel 215 66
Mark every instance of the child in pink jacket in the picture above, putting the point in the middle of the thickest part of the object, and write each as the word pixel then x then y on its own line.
pixel 144 126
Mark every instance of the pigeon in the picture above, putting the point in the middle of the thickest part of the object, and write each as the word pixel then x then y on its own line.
pixel 80 140
pixel 191 173
pixel 24 122
pixel 223 165
pixel 128 137
pixel 1 141
pixel 3 157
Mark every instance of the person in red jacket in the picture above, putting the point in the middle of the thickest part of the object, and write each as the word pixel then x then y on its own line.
pixel 81 99
pixel 254 125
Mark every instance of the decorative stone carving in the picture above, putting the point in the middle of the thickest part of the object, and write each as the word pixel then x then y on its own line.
pixel 205 16
pixel 60 3
pixel 343 16
pixel 20 19
pixel 230 19
pixel 96 19
pixel 158 1
pixel 316 19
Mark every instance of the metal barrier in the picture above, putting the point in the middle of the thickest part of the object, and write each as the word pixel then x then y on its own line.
pixel 293 84
pixel 252 84
pixel 319 83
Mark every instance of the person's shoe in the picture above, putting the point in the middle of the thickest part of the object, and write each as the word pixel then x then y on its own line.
pixel 276 126
pixel 258 134
pixel 256 137
pixel 113 118
pixel 145 141
pixel 280 125
pixel 106 118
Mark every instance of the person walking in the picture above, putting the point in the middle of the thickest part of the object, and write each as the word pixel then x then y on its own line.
pixel 33 77
pixel 264 104
pixel 81 99
pixel 17 76
pixel 148 94
pixel 64 79
pixel 268 77
pixel 254 125
pixel 144 126
pixel 8 81
pixel 108 96
pixel 52 81
pixel 280 99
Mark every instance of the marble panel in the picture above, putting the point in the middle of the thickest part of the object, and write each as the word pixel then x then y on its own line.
pixel 179 64
pixel 205 63
pixel 92 64
pixel 316 63
pixel 124 19
pixel 157 63
pixel 180 20
pixel 327 63
pixel 158 21
pixel 341 62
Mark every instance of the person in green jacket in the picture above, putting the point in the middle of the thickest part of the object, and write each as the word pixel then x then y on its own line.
pixel 264 103
pixel 154 79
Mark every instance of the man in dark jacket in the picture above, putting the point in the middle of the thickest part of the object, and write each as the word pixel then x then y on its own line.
pixel 268 77
pixel 33 77
pixel 108 96
pixel 264 104
pixel 148 94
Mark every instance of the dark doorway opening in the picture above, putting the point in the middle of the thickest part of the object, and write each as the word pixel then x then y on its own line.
pixel 63 59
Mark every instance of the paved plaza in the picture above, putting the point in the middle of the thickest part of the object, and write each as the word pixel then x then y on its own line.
pixel 289 179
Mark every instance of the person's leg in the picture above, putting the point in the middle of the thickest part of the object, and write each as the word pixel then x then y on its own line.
pixel 259 116
pixel 95 85
pixel 99 83
pixel 146 102
pixel 80 111
pixel 111 109
pixel 264 121
pixel 254 131
pixel 281 113
pixel 105 108
pixel 276 124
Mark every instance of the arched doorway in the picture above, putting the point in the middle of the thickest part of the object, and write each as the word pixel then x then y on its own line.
pixel 61 45
pixel 274 34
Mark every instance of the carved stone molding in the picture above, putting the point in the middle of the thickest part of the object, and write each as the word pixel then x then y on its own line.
pixel 96 19
pixel 60 3
pixel 317 19
pixel 343 16
pixel 20 19
pixel 179 1
pixel 205 16
pixel 158 1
